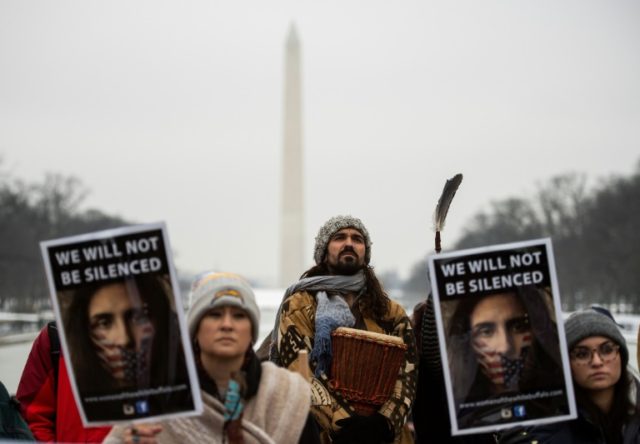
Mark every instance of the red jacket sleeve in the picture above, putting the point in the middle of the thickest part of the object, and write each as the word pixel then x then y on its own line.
pixel 36 390
pixel 52 414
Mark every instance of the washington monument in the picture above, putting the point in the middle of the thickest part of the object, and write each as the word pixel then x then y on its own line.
pixel 292 225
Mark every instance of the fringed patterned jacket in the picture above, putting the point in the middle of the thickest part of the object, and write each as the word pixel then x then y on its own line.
pixel 296 332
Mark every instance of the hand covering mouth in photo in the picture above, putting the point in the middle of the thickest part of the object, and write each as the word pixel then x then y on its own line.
pixel 501 369
pixel 129 365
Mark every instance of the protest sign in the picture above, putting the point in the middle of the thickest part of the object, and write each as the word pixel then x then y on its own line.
pixel 123 332
pixel 501 333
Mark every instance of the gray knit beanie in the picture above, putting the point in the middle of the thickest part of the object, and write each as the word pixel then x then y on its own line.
pixel 212 290
pixel 595 322
pixel 334 225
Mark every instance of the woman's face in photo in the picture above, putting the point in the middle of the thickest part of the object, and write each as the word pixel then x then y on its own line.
pixel 596 363
pixel 500 335
pixel 120 329
pixel 225 333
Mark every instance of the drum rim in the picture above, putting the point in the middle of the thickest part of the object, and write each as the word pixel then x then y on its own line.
pixel 369 336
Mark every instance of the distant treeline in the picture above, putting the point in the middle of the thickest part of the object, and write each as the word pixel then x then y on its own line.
pixel 30 213
pixel 595 233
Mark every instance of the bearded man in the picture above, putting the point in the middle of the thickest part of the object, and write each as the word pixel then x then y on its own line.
pixel 342 290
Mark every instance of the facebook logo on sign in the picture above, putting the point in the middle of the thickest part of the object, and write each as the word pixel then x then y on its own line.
pixel 142 407
pixel 519 411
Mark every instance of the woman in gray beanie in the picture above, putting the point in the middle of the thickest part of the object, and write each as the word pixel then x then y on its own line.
pixel 605 389
pixel 245 401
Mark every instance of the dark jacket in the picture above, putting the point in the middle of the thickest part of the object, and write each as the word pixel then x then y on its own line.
pixel 430 411
pixel 581 430
pixel 12 426
pixel 578 431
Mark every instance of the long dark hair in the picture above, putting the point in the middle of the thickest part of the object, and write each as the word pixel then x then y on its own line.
pixel 374 302
pixel 167 356
pixel 622 408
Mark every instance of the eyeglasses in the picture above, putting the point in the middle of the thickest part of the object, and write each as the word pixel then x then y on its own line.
pixel 607 351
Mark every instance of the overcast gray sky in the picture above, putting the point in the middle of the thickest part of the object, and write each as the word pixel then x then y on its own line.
pixel 173 111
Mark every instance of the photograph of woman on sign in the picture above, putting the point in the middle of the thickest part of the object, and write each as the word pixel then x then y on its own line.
pixel 123 336
pixel 502 345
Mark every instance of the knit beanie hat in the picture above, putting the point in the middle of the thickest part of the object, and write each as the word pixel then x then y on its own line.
pixel 595 321
pixel 221 290
pixel 334 225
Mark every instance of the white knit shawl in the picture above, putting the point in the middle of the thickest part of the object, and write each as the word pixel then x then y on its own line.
pixel 275 415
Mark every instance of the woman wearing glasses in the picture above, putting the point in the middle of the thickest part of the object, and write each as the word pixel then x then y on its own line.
pixel 605 389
